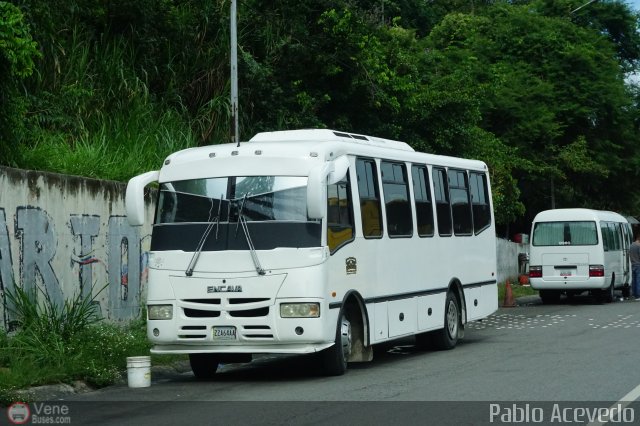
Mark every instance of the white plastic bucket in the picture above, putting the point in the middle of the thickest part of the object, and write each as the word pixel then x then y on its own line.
pixel 139 371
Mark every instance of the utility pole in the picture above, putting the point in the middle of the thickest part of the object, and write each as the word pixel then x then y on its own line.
pixel 235 132
pixel 584 5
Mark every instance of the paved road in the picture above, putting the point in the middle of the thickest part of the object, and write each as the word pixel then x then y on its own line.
pixel 581 353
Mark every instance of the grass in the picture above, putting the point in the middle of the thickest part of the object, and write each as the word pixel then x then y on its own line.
pixel 95 116
pixel 517 290
pixel 118 146
pixel 63 344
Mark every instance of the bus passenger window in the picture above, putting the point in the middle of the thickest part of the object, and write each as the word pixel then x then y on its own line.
pixel 396 198
pixel 480 202
pixel 441 196
pixel 422 194
pixel 460 205
pixel 339 214
pixel 369 197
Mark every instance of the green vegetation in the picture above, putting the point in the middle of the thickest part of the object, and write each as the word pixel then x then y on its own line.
pixel 107 90
pixel 57 344
pixel 517 290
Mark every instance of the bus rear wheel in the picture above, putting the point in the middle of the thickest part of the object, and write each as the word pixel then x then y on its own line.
pixel 447 338
pixel 204 366
pixel 608 295
pixel 334 359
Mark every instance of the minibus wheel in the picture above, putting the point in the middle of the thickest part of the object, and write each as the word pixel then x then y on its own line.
pixel 447 338
pixel 335 358
pixel 204 366
pixel 608 295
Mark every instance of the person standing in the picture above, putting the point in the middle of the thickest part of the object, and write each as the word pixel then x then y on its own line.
pixel 634 254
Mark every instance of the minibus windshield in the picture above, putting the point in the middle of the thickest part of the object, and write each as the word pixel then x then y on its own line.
pixel 257 198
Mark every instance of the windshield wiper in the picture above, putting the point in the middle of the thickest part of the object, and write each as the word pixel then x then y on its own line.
pixel 203 239
pixel 243 222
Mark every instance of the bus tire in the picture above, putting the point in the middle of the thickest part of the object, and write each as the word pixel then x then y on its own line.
pixel 607 294
pixel 550 297
pixel 334 358
pixel 204 366
pixel 447 338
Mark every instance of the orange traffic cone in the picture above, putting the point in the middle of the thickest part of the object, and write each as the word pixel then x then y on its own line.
pixel 509 301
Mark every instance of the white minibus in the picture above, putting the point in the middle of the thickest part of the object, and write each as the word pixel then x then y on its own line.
pixel 306 241
pixel 577 250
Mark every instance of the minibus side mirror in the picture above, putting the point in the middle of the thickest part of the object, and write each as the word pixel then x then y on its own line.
pixel 134 198
pixel 340 167
pixel 319 177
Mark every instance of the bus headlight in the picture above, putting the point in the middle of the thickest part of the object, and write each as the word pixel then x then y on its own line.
pixel 299 310
pixel 160 312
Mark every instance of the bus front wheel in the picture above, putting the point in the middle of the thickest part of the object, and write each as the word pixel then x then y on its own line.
pixel 335 358
pixel 204 366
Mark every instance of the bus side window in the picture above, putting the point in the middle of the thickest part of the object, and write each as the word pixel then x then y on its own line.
pixel 339 214
pixel 369 197
pixel 606 236
pixel 480 202
pixel 424 206
pixel 395 188
pixel 460 205
pixel 441 196
pixel 613 232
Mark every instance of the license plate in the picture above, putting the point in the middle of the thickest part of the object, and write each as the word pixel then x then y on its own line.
pixel 224 333
pixel 565 273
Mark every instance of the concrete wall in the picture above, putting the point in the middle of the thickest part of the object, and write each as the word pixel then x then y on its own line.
pixel 507 257
pixel 67 235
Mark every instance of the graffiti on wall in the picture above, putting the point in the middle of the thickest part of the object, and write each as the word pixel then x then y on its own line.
pixel 97 253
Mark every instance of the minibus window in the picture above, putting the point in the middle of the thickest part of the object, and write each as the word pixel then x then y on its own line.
pixel 581 233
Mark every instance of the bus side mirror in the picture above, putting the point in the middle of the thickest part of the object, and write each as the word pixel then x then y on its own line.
pixel 340 167
pixel 134 198
pixel 319 177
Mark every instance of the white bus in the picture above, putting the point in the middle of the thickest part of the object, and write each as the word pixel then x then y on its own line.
pixel 310 241
pixel 577 250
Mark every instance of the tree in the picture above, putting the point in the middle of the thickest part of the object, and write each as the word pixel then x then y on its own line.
pixel 556 95
pixel 17 53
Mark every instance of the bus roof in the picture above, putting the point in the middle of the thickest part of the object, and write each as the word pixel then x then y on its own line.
pixel 294 152
pixel 574 214
pixel 327 135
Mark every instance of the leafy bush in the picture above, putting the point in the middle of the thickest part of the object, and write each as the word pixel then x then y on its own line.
pixel 64 343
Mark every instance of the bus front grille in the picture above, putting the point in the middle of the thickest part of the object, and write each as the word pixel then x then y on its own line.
pixel 250 313
pixel 200 313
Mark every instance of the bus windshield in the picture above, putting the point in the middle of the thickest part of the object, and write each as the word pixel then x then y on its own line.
pixel 579 233
pixel 257 198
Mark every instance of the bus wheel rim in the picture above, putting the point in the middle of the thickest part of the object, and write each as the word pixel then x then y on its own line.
pixel 345 338
pixel 452 319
